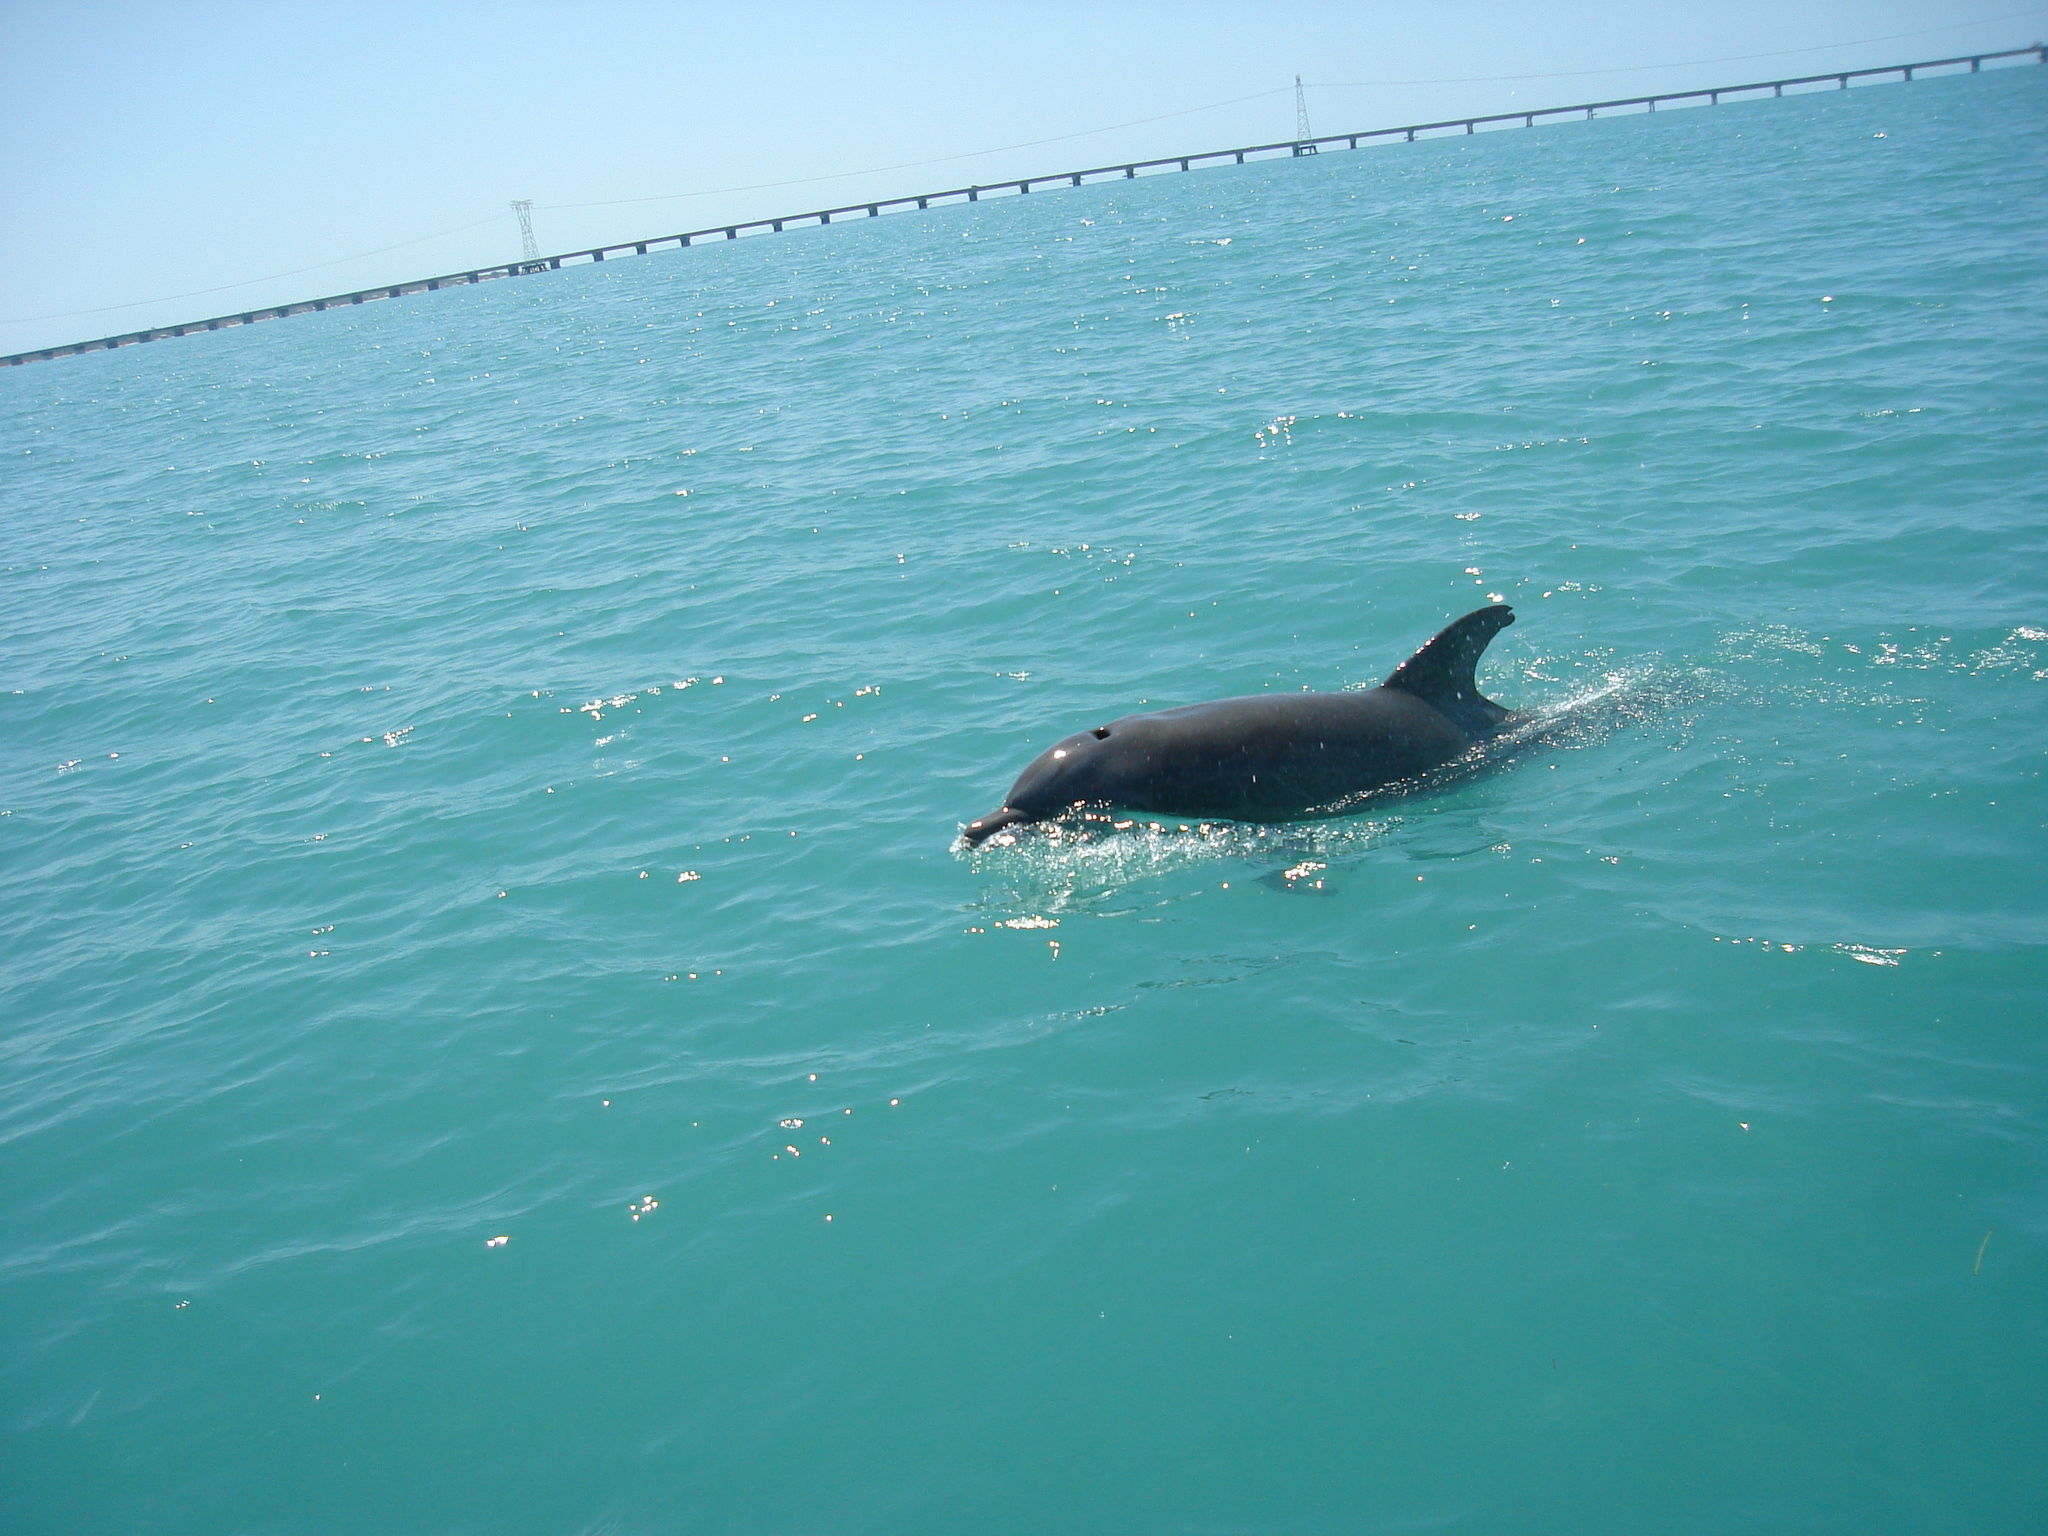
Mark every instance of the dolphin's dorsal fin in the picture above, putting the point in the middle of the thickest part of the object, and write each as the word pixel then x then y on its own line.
pixel 1441 672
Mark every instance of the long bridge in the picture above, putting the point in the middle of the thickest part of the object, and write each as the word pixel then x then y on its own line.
pixel 1128 170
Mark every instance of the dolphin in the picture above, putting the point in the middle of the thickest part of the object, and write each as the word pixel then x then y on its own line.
pixel 1272 756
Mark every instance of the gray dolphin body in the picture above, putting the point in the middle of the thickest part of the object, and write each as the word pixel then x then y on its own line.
pixel 1272 757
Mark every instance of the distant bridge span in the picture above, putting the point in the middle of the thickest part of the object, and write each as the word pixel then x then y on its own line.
pixel 1128 170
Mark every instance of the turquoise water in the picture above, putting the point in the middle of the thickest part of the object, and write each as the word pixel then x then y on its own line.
pixel 499 1037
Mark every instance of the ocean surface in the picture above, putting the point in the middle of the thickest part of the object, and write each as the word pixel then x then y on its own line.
pixel 499 1036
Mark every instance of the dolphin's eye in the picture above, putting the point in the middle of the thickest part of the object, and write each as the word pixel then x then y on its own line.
pixel 1100 733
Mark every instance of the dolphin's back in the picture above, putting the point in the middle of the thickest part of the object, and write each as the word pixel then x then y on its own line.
pixel 1273 757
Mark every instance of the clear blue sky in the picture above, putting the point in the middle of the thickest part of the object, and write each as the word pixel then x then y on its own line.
pixel 149 150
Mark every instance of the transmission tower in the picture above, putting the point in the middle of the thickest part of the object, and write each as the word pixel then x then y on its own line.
pixel 1301 127
pixel 528 250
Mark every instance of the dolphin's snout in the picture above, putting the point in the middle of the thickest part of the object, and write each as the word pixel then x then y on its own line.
pixel 980 831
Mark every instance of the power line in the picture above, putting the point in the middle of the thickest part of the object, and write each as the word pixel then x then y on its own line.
pixel 912 165
pixel 1637 69
pixel 246 282
pixel 1060 138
